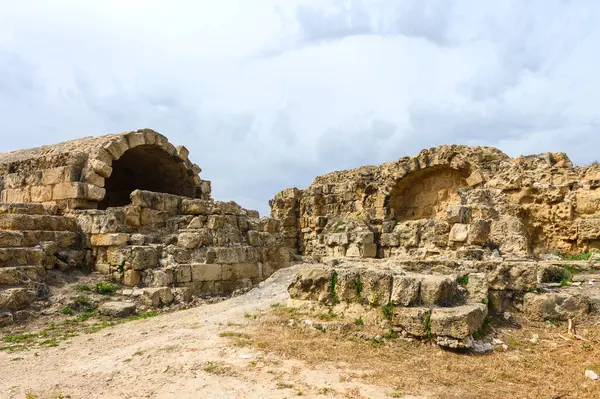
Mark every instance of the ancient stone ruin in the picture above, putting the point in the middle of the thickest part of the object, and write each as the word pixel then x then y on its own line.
pixel 430 244
pixel 441 239
pixel 133 207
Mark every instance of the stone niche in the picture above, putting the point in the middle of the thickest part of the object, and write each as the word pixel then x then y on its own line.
pixel 425 193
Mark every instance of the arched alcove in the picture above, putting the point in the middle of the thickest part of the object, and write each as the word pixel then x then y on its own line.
pixel 426 192
pixel 146 167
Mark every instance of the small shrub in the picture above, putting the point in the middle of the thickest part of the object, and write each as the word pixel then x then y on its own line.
pixel 388 310
pixel 358 286
pixel 68 311
pixel 464 280
pixel 333 297
pixel 359 322
pixel 83 288
pixel 106 288
pixel 427 324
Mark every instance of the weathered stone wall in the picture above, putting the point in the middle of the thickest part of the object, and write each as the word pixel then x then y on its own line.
pixel 74 174
pixel 451 201
pixel 207 246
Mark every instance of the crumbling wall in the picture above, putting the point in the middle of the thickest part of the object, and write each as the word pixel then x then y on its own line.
pixel 451 201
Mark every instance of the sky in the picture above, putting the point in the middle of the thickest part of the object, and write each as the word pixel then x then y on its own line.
pixel 268 94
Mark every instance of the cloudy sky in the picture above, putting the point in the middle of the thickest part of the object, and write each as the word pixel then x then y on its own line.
pixel 267 94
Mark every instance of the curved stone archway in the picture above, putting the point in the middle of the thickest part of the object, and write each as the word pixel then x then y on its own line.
pixel 146 167
pixel 426 192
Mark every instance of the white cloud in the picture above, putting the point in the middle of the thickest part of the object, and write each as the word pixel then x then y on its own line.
pixel 268 94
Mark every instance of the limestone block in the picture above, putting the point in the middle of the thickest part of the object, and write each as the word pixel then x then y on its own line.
pixel 230 255
pixel 182 152
pixel 459 232
pixel 335 239
pixel 19 275
pixel 68 190
pixel 469 254
pixel 196 207
pixel 409 233
pixel 182 274
pixel 15 298
pixel 135 139
pixel 438 290
pixel 10 238
pixel 206 272
pixel 227 208
pixel 369 251
pixel 21 256
pixel 15 195
pixel 144 257
pixel 389 240
pixel 101 168
pixel 513 276
pixel 405 290
pixel 41 193
pixel 588 229
pixel 459 214
pixel 109 240
pixel 6 319
pixel 157 201
pixel 477 288
pixel 131 277
pixel 197 222
pixel 377 286
pixel 240 271
pixel 14 180
pixel 153 217
pixel 157 278
pixel 270 225
pixel 475 179
pixel 557 306
pixel 90 176
pixel 117 309
pixel 412 320
pixel 157 296
pixel 362 237
pixel 188 240
pixel 479 232
pixel 458 322
pixel 94 193
pixel 312 283
pixel 349 286
pixel 227 235
pixel 117 147
pixel 353 251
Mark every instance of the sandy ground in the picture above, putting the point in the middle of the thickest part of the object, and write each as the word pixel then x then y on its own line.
pixel 177 355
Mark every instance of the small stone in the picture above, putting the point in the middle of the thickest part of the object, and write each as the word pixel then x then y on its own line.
pixel 507 316
pixel 590 374
pixel 117 309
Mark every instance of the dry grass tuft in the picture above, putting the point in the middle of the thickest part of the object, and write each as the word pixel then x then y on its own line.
pixel 550 368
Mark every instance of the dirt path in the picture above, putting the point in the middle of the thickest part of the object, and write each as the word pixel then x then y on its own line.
pixel 176 355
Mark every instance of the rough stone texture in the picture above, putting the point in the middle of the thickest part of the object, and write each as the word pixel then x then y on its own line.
pixel 312 283
pixel 117 309
pixel 457 322
pixel 444 198
pixel 557 306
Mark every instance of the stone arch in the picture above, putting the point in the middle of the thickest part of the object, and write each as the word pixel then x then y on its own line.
pixel 426 192
pixel 140 160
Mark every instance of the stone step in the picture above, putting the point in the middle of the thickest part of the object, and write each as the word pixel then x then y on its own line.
pixel 10 221
pixel 21 256
pixel 555 306
pixel 16 298
pixel 27 209
pixel 31 238
pixel 21 274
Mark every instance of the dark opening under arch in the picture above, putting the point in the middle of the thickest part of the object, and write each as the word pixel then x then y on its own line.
pixel 146 167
